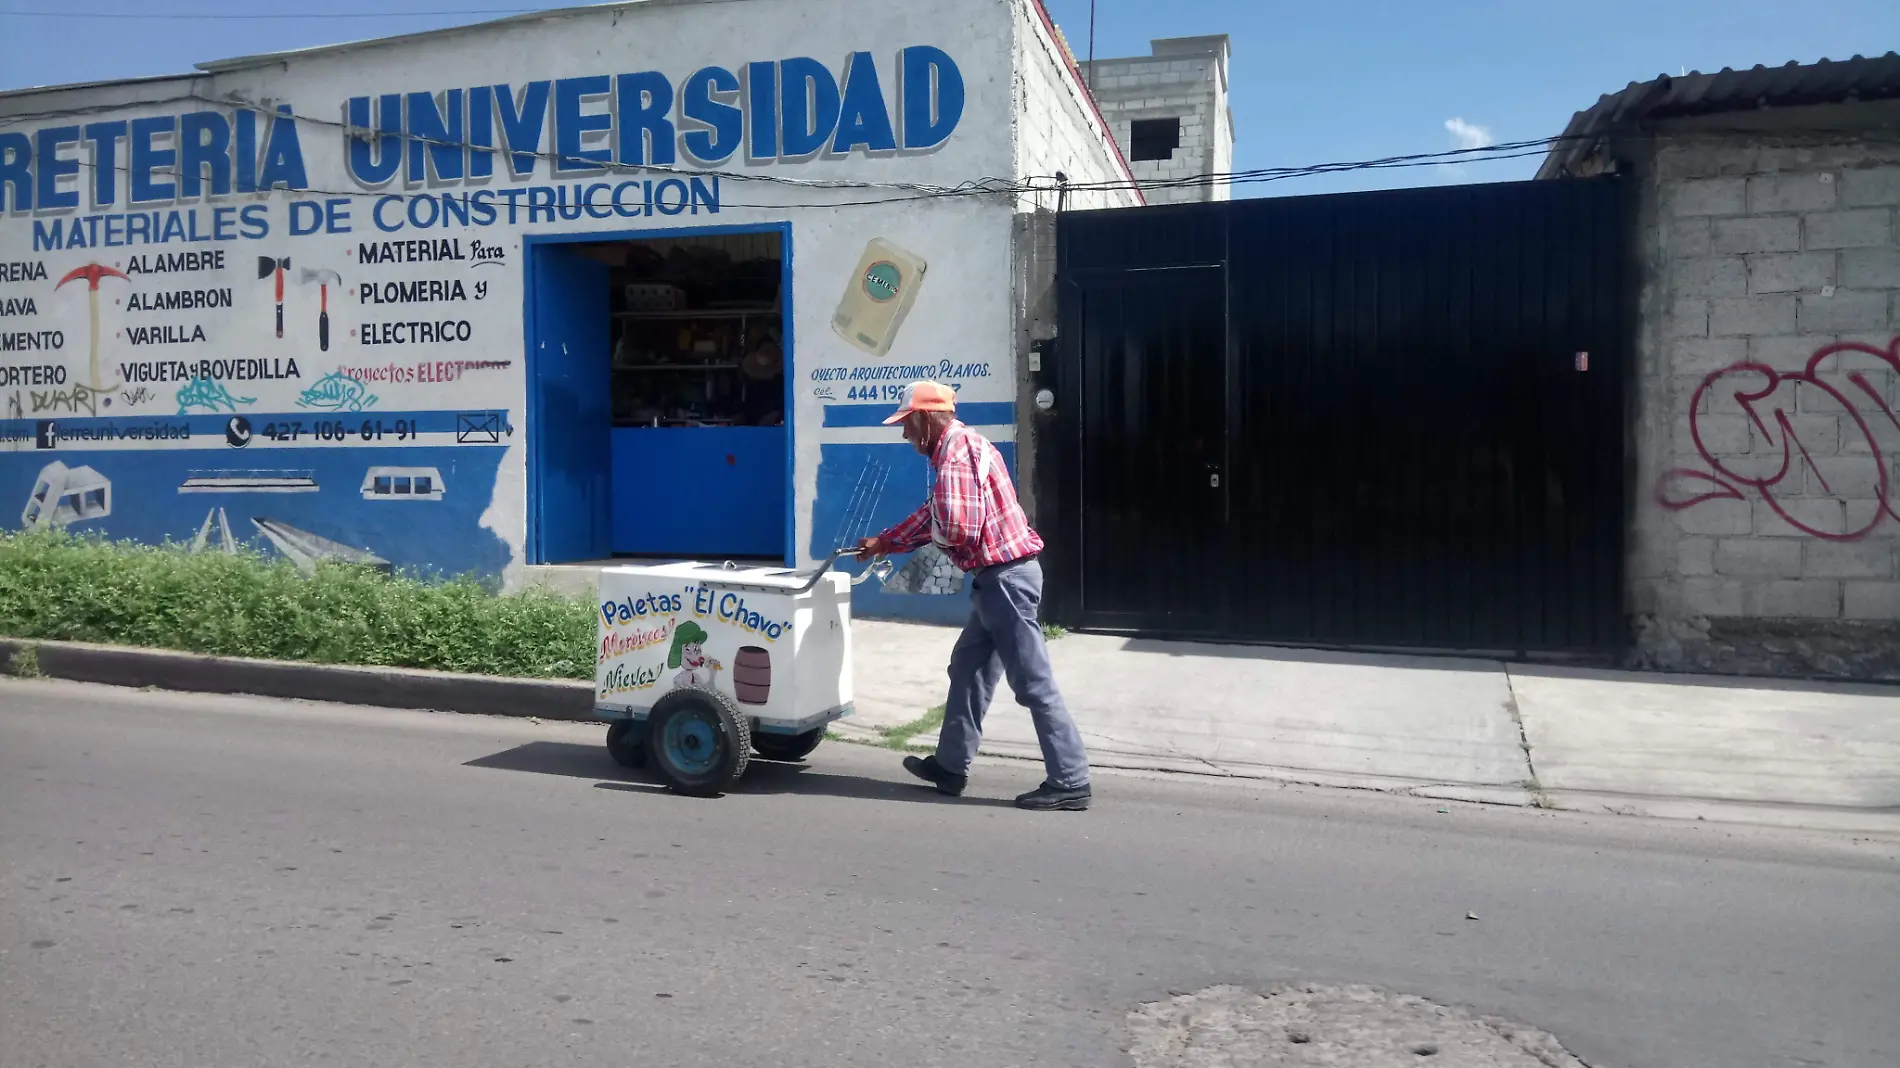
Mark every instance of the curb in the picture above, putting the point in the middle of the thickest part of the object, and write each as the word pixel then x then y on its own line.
pixel 573 701
pixel 382 687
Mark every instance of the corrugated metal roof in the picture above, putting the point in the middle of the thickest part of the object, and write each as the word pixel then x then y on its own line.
pixel 1696 93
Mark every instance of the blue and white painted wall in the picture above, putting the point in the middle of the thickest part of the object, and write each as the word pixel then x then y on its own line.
pixel 281 301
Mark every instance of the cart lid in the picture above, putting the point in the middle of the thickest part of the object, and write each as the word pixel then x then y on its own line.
pixel 722 575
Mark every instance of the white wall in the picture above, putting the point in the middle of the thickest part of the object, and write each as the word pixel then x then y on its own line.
pixel 959 326
pixel 1056 128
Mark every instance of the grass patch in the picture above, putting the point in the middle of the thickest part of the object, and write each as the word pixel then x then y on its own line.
pixel 25 663
pixel 899 737
pixel 1052 631
pixel 61 587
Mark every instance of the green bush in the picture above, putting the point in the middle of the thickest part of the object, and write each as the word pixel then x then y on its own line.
pixel 61 587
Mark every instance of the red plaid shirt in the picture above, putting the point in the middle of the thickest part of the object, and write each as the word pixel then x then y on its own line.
pixel 977 521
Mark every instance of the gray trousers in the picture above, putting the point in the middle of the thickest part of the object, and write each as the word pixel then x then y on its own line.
pixel 1004 638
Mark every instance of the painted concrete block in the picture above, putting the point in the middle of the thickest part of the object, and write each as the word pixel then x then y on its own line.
pixel 1847 310
pixel 1776 233
pixel 1863 228
pixel 1801 191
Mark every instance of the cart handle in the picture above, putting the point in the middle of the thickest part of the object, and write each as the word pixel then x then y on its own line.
pixel 880 566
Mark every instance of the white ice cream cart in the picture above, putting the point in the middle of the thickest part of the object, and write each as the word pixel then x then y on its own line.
pixel 701 663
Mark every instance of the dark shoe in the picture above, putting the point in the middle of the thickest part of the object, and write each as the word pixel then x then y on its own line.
pixel 929 770
pixel 1047 798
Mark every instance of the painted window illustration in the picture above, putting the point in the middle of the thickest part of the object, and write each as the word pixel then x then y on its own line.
pixel 403 484
pixel 63 495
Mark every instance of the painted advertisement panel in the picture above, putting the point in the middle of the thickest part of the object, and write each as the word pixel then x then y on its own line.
pixel 285 305
pixel 782 655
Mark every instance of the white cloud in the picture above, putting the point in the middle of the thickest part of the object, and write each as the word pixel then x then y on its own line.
pixel 1468 135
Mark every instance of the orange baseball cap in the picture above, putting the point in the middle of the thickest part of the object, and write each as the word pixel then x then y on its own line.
pixel 925 397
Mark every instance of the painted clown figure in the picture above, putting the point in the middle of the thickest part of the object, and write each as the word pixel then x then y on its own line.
pixel 688 655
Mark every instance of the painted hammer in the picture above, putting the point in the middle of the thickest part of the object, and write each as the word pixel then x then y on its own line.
pixel 324 280
pixel 265 266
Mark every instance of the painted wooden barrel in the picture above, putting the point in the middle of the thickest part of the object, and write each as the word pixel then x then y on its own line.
pixel 752 675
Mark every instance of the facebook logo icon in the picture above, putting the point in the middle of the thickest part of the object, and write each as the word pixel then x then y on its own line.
pixel 45 436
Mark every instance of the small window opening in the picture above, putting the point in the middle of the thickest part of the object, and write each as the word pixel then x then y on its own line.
pixel 1154 139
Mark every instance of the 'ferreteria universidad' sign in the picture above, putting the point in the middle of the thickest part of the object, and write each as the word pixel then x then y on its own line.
pixel 786 110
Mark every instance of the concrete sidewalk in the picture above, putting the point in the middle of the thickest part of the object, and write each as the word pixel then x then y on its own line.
pixel 1763 751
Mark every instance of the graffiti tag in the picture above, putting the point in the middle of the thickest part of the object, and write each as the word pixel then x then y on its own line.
pixel 337 392
pixel 14 410
pixel 210 396
pixel 74 399
pixel 1767 396
pixel 135 397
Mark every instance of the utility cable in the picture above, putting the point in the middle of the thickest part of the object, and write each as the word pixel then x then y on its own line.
pixel 987 184
pixel 286 16
pixel 904 192
pixel 176 174
pixel 407 137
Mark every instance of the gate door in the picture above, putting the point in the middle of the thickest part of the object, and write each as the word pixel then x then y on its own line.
pixel 1371 420
pixel 1152 454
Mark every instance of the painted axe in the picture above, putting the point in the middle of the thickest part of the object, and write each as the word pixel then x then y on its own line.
pixel 266 266
pixel 324 280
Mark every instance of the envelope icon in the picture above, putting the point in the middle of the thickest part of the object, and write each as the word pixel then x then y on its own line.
pixel 478 428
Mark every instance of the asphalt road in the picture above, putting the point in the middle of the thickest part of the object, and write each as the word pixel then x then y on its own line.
pixel 207 882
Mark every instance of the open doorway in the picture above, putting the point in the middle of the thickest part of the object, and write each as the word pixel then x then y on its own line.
pixel 659 412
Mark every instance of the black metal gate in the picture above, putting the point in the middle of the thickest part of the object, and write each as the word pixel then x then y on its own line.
pixel 1384 419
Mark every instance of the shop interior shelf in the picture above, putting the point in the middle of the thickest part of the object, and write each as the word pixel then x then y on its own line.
pixel 678 367
pixel 708 313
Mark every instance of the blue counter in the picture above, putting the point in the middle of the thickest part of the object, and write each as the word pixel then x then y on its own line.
pixel 699 491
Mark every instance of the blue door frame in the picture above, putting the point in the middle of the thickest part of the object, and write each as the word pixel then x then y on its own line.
pixel 571 458
pixel 534 332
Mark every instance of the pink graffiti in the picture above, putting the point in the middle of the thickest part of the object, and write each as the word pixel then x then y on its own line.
pixel 1684 487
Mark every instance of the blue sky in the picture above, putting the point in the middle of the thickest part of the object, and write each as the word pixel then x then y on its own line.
pixel 1312 82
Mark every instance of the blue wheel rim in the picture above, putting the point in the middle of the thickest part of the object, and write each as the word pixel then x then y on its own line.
pixel 693 742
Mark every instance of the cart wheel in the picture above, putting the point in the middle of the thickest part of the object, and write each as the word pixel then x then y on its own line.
pixel 788 746
pixel 627 743
pixel 699 742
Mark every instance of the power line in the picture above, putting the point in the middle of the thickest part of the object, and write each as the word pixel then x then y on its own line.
pixel 1024 187
pixel 254 16
pixel 1030 185
pixel 1449 156
pixel 1005 189
pixel 406 137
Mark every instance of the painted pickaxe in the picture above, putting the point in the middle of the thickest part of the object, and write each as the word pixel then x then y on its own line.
pixel 324 279
pixel 265 267
pixel 92 273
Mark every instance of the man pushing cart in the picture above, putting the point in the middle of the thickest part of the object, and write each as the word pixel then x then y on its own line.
pixel 973 518
pixel 702 664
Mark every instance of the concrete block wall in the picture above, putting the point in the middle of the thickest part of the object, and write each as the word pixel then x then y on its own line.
pixel 1055 128
pixel 1766 531
pixel 1186 79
